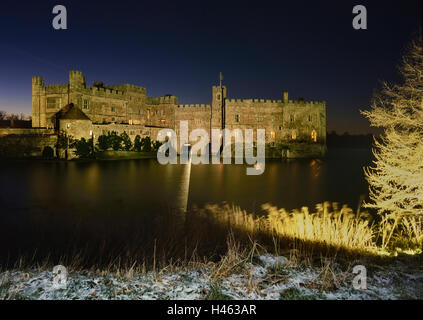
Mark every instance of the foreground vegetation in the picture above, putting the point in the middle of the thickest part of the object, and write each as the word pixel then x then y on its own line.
pixel 274 255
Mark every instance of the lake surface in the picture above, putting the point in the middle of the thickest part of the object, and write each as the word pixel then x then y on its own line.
pixel 45 204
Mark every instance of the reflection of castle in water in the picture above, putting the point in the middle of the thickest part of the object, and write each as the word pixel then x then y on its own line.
pixel 293 128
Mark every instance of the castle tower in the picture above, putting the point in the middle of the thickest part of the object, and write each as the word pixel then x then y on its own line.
pixel 37 105
pixel 285 96
pixel 76 80
pixel 219 95
pixel 76 83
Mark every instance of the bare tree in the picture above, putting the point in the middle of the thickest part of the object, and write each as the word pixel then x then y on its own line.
pixel 12 116
pixel 396 178
pixel 3 115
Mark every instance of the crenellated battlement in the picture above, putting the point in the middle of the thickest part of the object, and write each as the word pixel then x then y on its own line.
pixel 197 106
pixel 38 81
pixel 130 88
pixel 105 90
pixel 56 88
pixel 168 99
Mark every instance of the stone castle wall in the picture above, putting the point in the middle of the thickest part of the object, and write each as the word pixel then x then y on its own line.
pixel 127 108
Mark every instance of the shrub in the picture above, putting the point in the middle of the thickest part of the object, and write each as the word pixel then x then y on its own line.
pixel 83 148
pixel 126 141
pixel 48 153
pixel 137 143
pixel 156 145
pixel 146 144
pixel 104 142
pixel 116 141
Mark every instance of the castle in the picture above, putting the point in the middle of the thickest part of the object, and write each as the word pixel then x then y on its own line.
pixel 90 111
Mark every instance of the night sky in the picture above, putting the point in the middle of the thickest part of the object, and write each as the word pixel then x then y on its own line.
pixel 177 47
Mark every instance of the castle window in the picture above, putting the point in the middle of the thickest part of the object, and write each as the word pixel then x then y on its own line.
pixel 113 119
pixel 314 136
pixel 292 118
pixel 273 135
pixel 139 111
pixel 54 103
pixel 163 122
pixel 310 118
pixel 260 118
pixel 86 105
pixel 218 97
pixel 113 109
pixel 67 125
pixel 294 135
pixel 237 118
pixel 280 128
pixel 148 114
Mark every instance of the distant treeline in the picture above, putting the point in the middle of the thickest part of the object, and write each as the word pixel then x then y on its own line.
pixel 346 140
pixel 13 116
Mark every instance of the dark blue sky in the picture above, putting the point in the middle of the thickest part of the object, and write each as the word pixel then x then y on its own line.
pixel 179 47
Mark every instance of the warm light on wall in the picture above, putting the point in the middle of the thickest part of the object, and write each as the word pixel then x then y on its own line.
pixel 294 135
pixel 314 136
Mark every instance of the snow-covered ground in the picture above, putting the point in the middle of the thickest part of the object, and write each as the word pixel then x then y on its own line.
pixel 269 278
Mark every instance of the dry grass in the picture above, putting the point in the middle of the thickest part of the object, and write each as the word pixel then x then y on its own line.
pixel 224 238
pixel 328 226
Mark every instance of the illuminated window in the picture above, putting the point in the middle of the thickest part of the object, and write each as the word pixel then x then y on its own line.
pixel 163 122
pixel 273 134
pixel 148 114
pixel 314 136
pixel 294 135
pixel 67 125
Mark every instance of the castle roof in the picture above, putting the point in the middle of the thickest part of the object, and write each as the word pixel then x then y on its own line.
pixel 71 112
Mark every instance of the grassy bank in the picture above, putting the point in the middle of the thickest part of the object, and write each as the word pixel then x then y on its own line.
pixel 276 255
pixel 239 274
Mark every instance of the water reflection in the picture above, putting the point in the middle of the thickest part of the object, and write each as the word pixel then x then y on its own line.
pixel 55 196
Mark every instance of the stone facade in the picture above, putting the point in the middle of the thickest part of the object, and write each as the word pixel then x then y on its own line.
pixel 127 108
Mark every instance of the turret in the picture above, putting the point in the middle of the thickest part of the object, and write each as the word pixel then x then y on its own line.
pixel 219 95
pixel 76 80
pixel 37 84
pixel 285 96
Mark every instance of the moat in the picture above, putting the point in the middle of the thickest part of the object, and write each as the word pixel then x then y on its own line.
pixel 49 206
